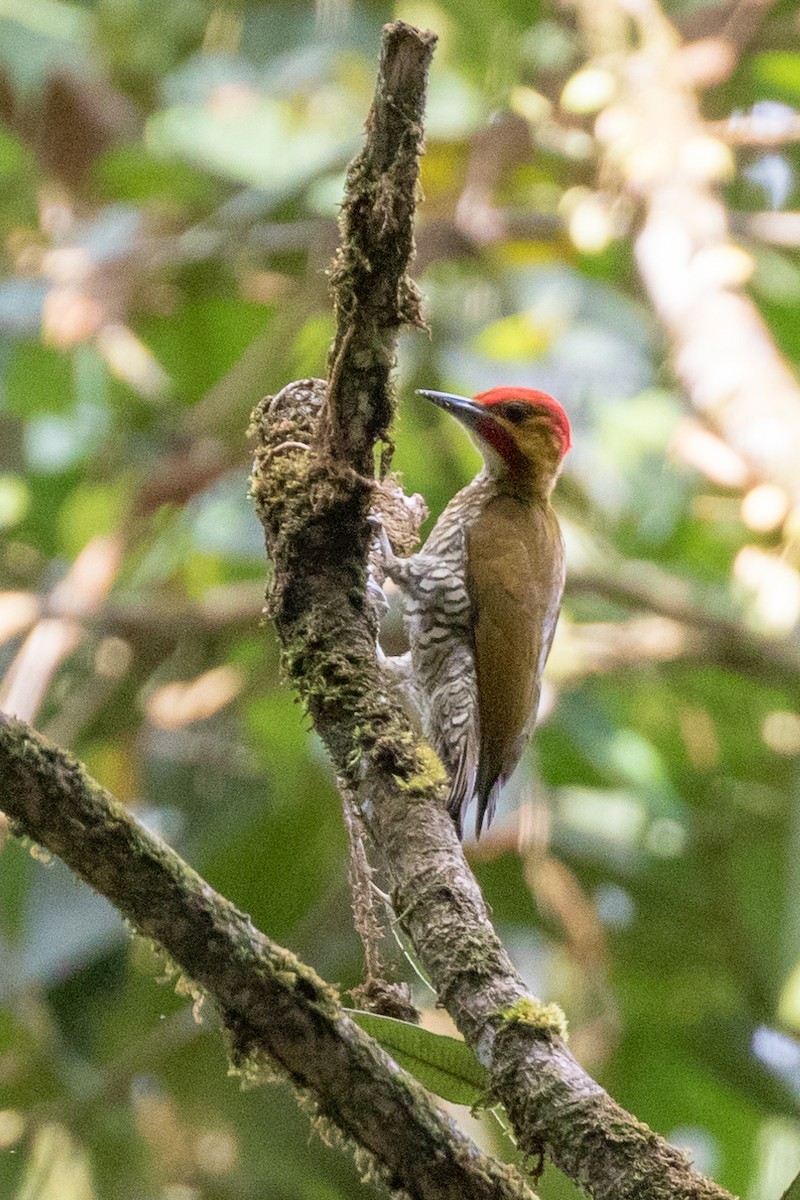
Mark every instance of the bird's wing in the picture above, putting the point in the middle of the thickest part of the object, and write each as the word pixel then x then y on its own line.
pixel 463 782
pixel 515 579
pixel 451 708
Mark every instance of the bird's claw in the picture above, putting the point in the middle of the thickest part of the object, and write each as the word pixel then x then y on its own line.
pixel 375 521
pixel 375 593
pixel 376 596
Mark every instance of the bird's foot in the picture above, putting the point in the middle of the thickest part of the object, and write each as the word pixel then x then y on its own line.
pixel 376 597
pixel 375 521
pixel 382 558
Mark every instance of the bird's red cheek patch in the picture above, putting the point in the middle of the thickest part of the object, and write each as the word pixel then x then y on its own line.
pixel 502 442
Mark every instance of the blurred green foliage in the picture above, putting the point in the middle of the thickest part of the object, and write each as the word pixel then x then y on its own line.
pixel 169 179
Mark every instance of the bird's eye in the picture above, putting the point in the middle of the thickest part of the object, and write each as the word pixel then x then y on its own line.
pixel 516 411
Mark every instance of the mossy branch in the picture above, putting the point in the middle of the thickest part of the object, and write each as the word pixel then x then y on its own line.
pixel 373 294
pixel 312 485
pixel 277 1012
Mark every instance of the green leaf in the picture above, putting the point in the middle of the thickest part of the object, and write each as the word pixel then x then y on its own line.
pixel 444 1065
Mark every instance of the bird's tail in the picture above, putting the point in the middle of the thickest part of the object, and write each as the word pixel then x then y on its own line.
pixel 462 787
pixel 487 803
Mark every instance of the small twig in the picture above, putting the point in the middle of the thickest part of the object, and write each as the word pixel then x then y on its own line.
pixel 775 228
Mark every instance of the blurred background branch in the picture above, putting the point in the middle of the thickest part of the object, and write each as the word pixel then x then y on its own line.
pixel 657 147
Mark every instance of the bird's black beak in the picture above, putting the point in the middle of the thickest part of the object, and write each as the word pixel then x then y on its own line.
pixel 467 411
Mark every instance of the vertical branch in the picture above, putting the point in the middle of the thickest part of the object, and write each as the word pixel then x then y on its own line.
pixel 373 295
pixel 373 298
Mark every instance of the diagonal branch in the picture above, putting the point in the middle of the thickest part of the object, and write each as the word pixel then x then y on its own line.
pixel 276 1010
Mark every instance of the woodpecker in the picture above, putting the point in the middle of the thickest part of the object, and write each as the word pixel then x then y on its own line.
pixel 482 598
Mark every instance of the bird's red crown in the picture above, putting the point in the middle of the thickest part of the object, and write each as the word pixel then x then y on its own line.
pixel 558 418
